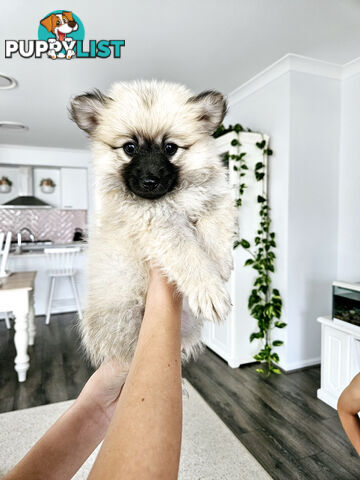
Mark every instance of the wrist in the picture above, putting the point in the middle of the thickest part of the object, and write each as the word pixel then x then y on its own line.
pixel 94 411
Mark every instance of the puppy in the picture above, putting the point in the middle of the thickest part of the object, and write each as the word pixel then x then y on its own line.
pixel 60 24
pixel 162 199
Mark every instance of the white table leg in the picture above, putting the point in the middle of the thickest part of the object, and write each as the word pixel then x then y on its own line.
pixel 32 328
pixel 21 340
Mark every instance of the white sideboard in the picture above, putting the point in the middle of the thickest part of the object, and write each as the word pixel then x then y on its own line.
pixel 340 358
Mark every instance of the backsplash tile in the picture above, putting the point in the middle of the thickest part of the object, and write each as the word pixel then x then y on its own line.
pixel 56 225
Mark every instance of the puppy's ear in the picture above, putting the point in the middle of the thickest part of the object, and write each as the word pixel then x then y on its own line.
pixel 211 109
pixel 85 109
pixel 47 22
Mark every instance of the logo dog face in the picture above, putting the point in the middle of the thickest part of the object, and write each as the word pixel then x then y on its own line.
pixel 60 24
pixel 151 138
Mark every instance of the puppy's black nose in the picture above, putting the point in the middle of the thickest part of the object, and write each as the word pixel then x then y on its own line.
pixel 150 184
pixel 72 23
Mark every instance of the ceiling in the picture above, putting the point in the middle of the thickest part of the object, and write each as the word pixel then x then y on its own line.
pixel 203 43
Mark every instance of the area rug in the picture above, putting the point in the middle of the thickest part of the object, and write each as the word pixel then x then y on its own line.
pixel 209 451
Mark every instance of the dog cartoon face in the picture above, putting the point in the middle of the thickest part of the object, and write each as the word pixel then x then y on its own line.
pixel 151 138
pixel 60 24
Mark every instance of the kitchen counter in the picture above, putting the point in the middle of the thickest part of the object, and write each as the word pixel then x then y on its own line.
pixel 63 296
pixel 40 252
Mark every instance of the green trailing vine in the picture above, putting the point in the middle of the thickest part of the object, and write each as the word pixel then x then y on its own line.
pixel 264 303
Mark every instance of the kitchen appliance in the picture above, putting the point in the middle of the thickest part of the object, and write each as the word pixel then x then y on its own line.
pixel 26 198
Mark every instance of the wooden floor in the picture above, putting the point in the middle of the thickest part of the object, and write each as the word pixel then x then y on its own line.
pixel 291 433
pixel 279 420
pixel 57 370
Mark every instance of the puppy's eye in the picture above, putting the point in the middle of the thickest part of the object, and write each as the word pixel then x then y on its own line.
pixel 170 149
pixel 130 148
pixel 58 22
pixel 65 20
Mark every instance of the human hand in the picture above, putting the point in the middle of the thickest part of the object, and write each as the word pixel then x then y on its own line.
pixel 101 392
pixel 161 292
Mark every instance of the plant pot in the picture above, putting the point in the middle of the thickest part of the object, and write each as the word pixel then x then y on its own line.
pixel 47 188
pixel 5 188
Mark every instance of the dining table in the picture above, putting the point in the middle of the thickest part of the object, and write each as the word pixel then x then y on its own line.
pixel 17 296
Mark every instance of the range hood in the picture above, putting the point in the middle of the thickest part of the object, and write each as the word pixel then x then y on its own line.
pixel 26 198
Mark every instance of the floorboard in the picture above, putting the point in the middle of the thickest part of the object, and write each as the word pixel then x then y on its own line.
pixel 57 372
pixel 282 423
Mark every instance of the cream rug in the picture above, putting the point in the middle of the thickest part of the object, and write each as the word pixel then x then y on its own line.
pixel 210 451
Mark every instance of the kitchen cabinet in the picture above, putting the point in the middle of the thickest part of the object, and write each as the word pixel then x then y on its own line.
pixel 53 198
pixel 74 191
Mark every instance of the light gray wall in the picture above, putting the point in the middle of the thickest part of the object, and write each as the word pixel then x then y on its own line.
pixel 349 184
pixel 313 210
pixel 301 113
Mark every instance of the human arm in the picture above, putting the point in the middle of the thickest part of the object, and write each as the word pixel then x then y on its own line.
pixel 69 442
pixel 348 407
pixel 144 438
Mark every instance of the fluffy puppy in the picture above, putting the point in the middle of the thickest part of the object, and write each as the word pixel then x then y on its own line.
pixel 162 198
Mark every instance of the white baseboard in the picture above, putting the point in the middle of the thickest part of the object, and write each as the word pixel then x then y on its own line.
pixel 233 362
pixel 289 367
pixel 64 305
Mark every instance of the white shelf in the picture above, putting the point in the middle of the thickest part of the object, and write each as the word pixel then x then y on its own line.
pixel 340 358
pixel 345 327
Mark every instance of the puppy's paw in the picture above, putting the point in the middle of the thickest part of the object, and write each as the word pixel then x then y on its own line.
pixel 225 270
pixel 211 302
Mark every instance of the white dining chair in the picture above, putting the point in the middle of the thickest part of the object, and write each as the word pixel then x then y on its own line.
pixel 60 263
pixel 4 252
pixel 7 320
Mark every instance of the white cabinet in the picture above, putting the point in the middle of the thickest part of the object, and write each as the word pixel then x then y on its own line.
pixel 340 358
pixel 74 191
pixel 230 340
pixel 71 186
pixel 54 198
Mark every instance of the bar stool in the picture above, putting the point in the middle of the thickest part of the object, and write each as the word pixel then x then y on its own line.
pixel 60 263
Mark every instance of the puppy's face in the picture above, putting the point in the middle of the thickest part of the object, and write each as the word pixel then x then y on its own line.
pixel 152 137
pixel 150 172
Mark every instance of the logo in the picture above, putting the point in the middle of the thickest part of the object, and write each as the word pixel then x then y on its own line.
pixel 61 35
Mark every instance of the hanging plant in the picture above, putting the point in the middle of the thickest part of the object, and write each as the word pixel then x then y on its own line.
pixel 264 303
pixel 5 184
pixel 47 185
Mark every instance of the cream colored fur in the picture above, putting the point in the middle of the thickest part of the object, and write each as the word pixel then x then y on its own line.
pixel 188 232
